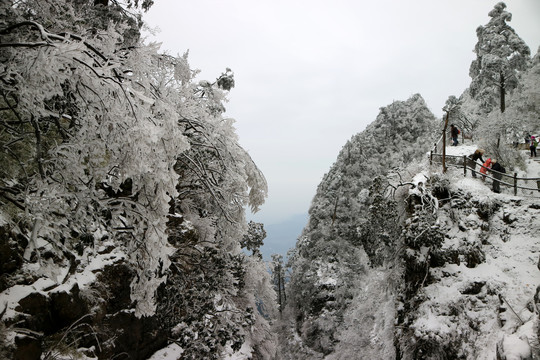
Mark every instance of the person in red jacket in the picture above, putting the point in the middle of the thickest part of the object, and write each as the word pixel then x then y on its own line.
pixel 485 167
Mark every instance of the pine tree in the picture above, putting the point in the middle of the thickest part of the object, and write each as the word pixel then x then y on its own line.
pixel 278 278
pixel 500 56
pixel 254 238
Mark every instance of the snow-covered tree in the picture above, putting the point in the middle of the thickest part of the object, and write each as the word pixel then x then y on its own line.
pixel 254 239
pixel 500 56
pixel 524 105
pixel 112 144
pixel 278 279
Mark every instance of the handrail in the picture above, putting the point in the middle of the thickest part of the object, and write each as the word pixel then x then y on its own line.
pixel 465 166
pixel 495 171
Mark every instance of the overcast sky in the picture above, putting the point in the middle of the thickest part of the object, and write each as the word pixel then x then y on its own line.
pixel 310 74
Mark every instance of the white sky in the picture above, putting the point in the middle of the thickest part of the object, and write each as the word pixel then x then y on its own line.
pixel 310 73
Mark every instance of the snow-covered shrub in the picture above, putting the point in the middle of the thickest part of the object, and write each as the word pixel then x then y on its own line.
pixel 486 207
pixel 204 319
pixel 439 187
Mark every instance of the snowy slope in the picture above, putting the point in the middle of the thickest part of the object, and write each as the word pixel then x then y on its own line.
pixel 484 297
pixel 476 297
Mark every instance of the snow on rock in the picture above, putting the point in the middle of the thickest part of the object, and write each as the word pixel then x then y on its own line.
pixel 171 352
pixel 46 285
pixel 11 296
pixel 512 347
pixel 244 353
pixel 479 302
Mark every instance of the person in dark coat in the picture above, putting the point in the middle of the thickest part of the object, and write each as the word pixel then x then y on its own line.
pixel 454 132
pixel 477 155
pixel 498 171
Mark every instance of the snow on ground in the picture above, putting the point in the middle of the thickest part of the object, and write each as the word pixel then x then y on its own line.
pixel 461 150
pixel 244 353
pixel 507 277
pixel 532 171
pixel 11 296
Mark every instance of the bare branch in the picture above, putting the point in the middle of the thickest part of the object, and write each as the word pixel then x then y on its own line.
pixel 28 45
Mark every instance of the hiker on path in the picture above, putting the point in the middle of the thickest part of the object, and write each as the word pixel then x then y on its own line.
pixel 534 144
pixel 485 168
pixel 477 155
pixel 454 132
pixel 498 171
pixel 528 139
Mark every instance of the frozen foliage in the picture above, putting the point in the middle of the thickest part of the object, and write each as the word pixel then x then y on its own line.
pixel 254 238
pixel 354 223
pixel 113 148
pixel 77 177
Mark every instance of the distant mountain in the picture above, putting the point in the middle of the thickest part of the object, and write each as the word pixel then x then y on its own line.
pixel 282 236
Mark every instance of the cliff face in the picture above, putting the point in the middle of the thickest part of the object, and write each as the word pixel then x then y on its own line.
pixel 401 134
pixel 475 298
pixel 354 225
pixel 399 261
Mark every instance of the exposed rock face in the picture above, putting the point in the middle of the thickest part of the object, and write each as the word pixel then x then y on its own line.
pixel 474 299
pixel 137 337
pixel 27 347
pixel 353 226
pixel 11 256
pixel 441 269
pixel 101 319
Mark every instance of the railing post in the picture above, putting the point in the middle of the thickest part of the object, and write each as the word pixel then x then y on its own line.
pixel 431 158
pixel 515 184
pixel 464 165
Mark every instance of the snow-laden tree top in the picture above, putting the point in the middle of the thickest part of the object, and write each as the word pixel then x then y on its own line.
pixel 500 55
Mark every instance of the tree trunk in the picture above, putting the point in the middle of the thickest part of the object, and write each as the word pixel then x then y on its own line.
pixel 502 89
pixel 503 92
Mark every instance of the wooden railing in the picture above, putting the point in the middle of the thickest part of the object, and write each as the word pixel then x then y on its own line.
pixel 464 162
